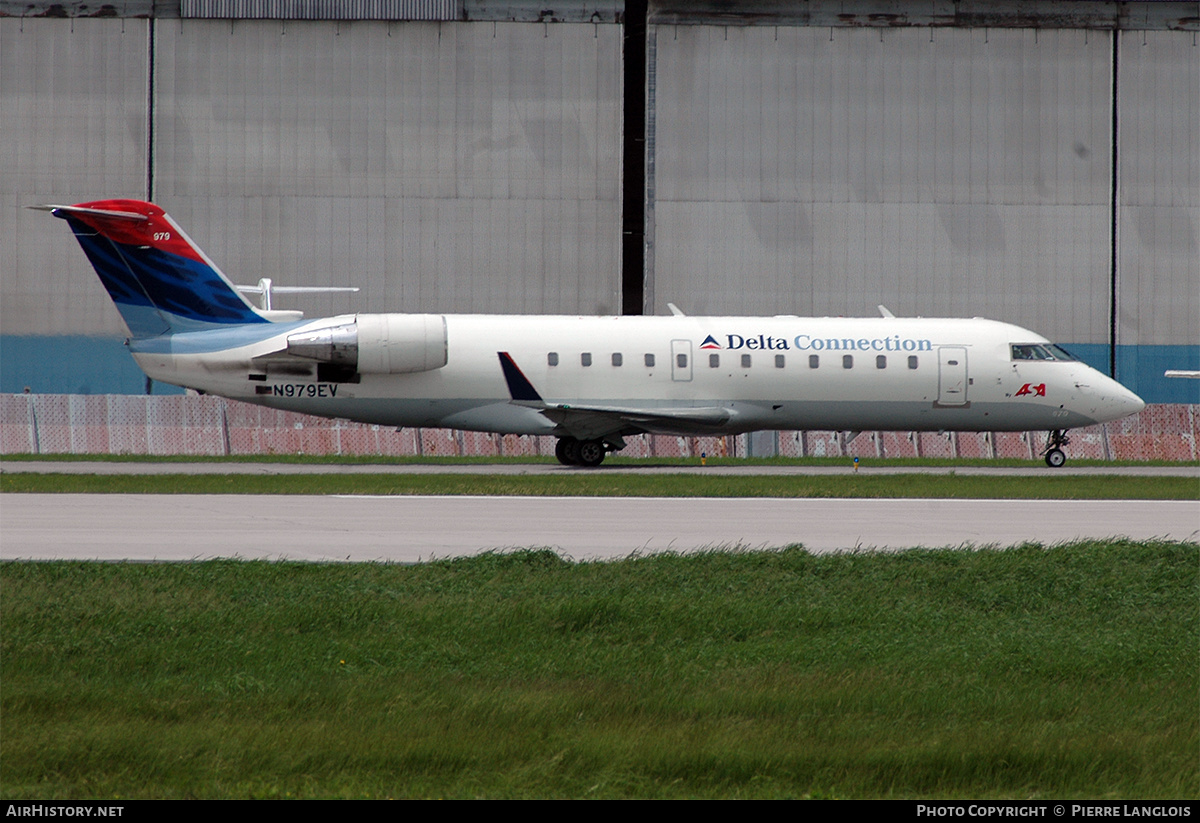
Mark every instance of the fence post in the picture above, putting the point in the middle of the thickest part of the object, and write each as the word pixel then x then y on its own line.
pixel 224 427
pixel 33 425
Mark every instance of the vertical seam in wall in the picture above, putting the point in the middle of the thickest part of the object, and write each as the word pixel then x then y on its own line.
pixel 151 27
pixel 633 212
pixel 650 188
pixel 1114 210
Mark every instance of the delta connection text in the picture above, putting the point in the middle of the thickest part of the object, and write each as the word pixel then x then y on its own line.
pixel 806 342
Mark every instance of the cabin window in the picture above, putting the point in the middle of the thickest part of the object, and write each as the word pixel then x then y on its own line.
pixel 649 361
pixel 681 360
pixel 586 358
pixel 847 361
pixel 881 361
pixel 552 359
pixel 617 359
pixel 714 361
pixel 912 361
pixel 779 361
pixel 745 361
pixel 814 361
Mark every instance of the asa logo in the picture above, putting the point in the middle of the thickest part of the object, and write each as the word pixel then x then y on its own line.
pixel 1037 391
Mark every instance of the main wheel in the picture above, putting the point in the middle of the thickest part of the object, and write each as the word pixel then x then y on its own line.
pixel 567 451
pixel 591 453
pixel 1055 458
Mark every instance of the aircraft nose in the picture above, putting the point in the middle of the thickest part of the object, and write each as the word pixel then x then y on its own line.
pixel 1120 402
pixel 1129 402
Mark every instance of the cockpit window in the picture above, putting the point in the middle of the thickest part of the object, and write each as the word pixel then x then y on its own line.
pixel 1039 351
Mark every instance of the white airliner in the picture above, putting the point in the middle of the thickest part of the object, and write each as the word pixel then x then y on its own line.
pixel 589 381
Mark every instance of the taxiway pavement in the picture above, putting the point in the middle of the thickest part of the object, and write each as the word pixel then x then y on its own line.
pixel 408 529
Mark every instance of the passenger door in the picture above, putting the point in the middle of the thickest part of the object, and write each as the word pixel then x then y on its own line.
pixel 952 376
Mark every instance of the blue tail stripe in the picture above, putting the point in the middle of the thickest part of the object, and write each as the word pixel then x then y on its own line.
pixel 118 280
pixel 146 277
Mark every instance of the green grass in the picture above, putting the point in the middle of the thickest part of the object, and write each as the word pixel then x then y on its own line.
pixel 623 485
pixel 1032 672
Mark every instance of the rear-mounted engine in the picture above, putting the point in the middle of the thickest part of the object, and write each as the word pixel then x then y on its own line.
pixel 376 344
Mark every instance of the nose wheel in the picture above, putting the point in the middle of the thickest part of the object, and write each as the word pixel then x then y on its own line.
pixel 1055 456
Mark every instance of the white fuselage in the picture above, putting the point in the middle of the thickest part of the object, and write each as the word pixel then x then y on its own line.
pixel 763 372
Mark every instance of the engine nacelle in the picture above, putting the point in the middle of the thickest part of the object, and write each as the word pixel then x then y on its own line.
pixel 377 343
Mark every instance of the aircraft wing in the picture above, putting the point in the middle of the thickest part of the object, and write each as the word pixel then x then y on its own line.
pixel 591 422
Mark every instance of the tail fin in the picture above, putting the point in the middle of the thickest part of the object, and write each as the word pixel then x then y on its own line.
pixel 161 282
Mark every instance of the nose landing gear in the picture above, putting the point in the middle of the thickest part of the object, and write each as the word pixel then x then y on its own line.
pixel 1055 440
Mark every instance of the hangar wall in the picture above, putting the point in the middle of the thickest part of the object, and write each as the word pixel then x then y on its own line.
pixel 801 160
pixel 449 167
pixel 1158 222
pixel 72 127
pixel 440 167
pixel 949 171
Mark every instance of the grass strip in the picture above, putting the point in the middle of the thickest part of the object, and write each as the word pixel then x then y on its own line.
pixel 599 484
pixel 1063 672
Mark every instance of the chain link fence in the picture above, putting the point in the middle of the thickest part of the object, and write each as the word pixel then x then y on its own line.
pixel 207 425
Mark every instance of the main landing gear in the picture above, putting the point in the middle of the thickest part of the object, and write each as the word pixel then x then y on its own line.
pixel 1055 440
pixel 572 452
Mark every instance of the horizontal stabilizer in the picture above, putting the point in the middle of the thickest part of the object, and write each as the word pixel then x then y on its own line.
pixel 266 287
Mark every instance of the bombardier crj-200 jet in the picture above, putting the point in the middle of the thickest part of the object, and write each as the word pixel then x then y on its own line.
pixel 589 381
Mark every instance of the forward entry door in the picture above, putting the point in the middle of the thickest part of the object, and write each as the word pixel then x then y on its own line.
pixel 952 376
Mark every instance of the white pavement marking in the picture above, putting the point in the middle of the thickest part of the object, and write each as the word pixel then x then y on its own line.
pixel 415 528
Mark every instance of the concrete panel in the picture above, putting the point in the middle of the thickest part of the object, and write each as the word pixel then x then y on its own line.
pixel 1159 133
pixel 440 167
pixel 72 128
pixel 938 172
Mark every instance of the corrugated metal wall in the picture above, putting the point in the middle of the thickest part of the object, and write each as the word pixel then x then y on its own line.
pixel 475 166
pixel 948 172
pixel 73 121
pixel 1159 135
pixel 323 9
pixel 439 167
pixel 467 167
